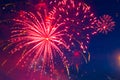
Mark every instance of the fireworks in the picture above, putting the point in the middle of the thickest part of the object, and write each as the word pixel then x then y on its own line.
pixel 105 24
pixel 41 34
pixel 53 31
pixel 48 33
pixel 80 22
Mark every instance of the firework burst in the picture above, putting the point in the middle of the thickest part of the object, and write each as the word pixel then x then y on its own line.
pixel 105 24
pixel 42 33
pixel 80 25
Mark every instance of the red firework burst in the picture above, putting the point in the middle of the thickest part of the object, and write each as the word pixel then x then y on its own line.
pixel 105 24
pixel 41 31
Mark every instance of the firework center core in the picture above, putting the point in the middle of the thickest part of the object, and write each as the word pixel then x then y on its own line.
pixel 47 38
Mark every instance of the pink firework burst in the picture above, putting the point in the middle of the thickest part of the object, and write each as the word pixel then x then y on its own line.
pixel 105 24
pixel 80 25
pixel 40 36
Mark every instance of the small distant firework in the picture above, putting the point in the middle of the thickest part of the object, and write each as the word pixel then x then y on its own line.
pixel 105 24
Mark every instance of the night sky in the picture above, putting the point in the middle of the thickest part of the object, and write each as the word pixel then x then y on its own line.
pixel 104 48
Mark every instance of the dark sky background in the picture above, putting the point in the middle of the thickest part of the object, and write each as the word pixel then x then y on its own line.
pixel 104 48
